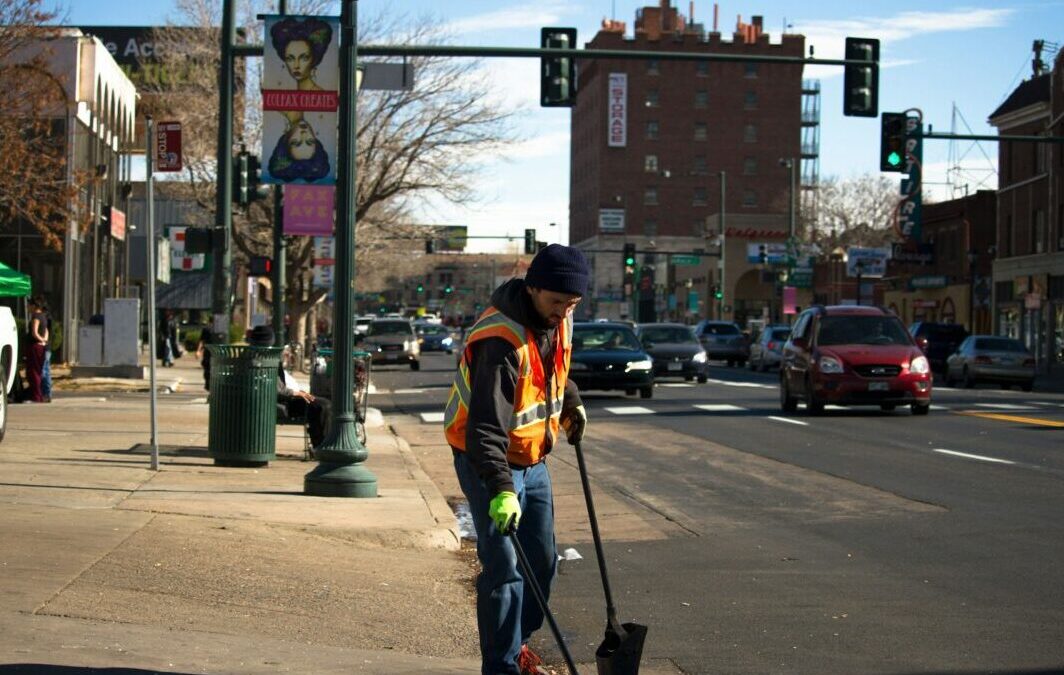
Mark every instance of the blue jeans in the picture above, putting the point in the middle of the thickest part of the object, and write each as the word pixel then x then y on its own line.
pixel 505 620
pixel 46 374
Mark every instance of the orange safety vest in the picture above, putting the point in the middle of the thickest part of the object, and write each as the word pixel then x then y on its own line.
pixel 527 424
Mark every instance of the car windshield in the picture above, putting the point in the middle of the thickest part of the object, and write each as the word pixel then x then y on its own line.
pixel 389 328
pixel 946 333
pixel 999 345
pixel 431 330
pixel 671 334
pixel 861 330
pixel 721 329
pixel 601 338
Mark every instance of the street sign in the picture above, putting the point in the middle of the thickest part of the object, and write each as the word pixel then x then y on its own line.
pixel 611 220
pixel 680 259
pixel 167 147
pixel 873 261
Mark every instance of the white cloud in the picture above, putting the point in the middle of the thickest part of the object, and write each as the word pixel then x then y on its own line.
pixel 544 14
pixel 550 144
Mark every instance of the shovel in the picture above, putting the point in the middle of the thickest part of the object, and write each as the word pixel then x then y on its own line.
pixel 538 592
pixel 622 648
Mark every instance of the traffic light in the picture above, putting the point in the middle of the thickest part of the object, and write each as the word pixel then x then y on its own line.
pixel 241 179
pixel 892 144
pixel 860 97
pixel 256 188
pixel 421 288
pixel 557 85
pixel 198 240
pixel 629 255
pixel 718 293
pixel 762 253
pixel 430 246
pixel 447 289
pixel 530 241
pixel 259 266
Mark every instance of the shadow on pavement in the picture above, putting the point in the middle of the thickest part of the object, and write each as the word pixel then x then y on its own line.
pixel 47 669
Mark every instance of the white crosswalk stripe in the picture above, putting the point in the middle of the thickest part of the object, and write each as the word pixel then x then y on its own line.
pixel 630 410
pixel 431 417
pixel 788 420
pixel 718 407
pixel 756 385
pixel 1005 406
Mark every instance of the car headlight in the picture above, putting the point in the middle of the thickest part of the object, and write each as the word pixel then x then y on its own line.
pixel 646 364
pixel 829 365
pixel 446 341
pixel 700 357
pixel 920 366
pixel 576 365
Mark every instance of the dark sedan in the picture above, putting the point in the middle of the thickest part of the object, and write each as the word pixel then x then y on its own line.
pixel 434 337
pixel 675 350
pixel 608 356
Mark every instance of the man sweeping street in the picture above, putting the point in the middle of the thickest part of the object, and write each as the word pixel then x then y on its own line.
pixel 510 397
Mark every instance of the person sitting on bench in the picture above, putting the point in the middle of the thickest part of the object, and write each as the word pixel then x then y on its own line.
pixel 315 409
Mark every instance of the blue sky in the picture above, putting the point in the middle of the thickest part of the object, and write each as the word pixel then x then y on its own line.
pixel 934 56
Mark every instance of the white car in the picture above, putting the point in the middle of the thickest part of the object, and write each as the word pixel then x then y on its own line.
pixel 8 362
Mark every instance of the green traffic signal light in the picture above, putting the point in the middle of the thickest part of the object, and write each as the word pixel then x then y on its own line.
pixel 719 295
pixel 447 289
pixel 629 261
pixel 894 159
pixel 420 288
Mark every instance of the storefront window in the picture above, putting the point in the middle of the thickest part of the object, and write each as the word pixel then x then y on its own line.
pixel 1009 322
pixel 1057 353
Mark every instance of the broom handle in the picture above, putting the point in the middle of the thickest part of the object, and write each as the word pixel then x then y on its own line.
pixel 611 611
pixel 538 592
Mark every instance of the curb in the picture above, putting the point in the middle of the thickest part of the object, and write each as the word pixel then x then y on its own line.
pixel 439 509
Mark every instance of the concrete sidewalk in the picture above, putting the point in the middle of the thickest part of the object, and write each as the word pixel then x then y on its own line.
pixel 198 568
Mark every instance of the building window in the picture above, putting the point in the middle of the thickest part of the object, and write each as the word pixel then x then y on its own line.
pixel 700 197
pixel 749 198
pixel 652 130
pixel 652 98
pixel 650 228
pixel 701 132
pixel 750 70
pixel 702 68
pixel 750 133
pixel 749 166
pixel 750 102
pixel 650 164
pixel 652 67
pixel 650 196
pixel 699 167
pixel 701 98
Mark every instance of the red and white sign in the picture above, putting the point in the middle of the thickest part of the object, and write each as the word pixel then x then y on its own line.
pixel 167 146
pixel 179 260
pixel 617 110
pixel 118 224
pixel 309 101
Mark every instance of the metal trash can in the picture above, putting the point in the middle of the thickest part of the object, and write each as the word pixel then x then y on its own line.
pixel 243 405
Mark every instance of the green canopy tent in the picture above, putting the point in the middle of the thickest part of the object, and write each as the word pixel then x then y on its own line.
pixel 14 284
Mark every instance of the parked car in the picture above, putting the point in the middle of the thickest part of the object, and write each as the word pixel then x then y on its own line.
pixel 991 358
pixel 362 324
pixel 435 337
pixel 392 341
pixel 853 355
pixel 723 340
pixel 8 362
pixel 942 340
pixel 767 350
pixel 675 350
pixel 608 356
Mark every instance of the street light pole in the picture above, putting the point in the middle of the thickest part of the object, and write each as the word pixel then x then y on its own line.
pixel 341 470
pixel 859 266
pixel 723 248
pixel 791 165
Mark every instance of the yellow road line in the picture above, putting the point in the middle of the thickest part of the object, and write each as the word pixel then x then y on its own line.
pixel 1012 418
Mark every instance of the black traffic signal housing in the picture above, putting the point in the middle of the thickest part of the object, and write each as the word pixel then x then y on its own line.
pixel 242 178
pixel 762 253
pixel 421 288
pixel 530 241
pixel 892 143
pixel 717 293
pixel 448 289
pixel 198 240
pixel 860 88
pixel 628 257
pixel 557 85
pixel 259 266
pixel 430 246
pixel 256 188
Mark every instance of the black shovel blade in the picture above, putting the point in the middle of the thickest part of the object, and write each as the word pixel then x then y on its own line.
pixel 619 653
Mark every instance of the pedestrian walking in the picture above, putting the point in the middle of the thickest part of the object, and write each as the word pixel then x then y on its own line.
pixel 37 338
pixel 166 337
pixel 204 355
pixel 46 369
pixel 510 397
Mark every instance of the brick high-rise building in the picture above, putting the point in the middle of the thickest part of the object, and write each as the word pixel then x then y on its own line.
pixel 650 141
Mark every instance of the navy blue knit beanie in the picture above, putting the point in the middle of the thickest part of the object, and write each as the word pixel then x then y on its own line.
pixel 558 268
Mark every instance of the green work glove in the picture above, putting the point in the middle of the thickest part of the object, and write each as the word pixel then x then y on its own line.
pixel 505 511
pixel 574 421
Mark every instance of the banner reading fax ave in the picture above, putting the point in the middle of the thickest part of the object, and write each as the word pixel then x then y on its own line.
pixel 300 99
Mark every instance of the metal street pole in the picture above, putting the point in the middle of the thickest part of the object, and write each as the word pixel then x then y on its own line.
pixel 150 203
pixel 723 247
pixel 279 248
pixel 341 470
pixel 221 289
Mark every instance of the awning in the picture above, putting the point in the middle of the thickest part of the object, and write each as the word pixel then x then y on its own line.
pixel 186 290
pixel 14 284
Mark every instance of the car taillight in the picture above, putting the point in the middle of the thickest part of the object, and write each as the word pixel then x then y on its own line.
pixel 1028 362
pixel 771 345
pixel 983 359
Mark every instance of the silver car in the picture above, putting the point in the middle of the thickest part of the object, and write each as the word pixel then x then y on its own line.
pixel 393 341
pixel 991 358
pixel 767 351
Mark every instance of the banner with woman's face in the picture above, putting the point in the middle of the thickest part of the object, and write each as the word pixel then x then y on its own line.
pixel 300 99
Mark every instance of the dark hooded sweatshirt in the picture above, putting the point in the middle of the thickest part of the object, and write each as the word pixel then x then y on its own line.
pixel 493 368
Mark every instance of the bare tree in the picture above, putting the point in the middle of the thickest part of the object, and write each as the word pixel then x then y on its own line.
pixel 36 184
pixel 429 141
pixel 856 211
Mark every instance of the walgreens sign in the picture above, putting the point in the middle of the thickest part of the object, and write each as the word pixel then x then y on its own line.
pixel 617 110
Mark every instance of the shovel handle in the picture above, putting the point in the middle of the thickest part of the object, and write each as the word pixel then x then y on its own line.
pixel 611 611
pixel 538 592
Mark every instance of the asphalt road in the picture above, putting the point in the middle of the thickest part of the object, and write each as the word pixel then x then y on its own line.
pixel 859 541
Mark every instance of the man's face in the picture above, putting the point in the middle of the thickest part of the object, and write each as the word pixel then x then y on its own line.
pixel 553 306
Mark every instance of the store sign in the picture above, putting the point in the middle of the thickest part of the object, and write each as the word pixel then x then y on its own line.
pixel 617 110
pixel 920 254
pixel 873 261
pixel 308 210
pixel 118 224
pixel 679 260
pixel 611 220
pixel 928 282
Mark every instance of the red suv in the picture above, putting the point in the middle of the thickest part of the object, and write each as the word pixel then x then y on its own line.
pixel 852 355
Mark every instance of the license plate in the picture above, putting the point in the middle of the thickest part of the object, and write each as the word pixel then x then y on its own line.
pixel 675 366
pixel 392 348
pixel 878 386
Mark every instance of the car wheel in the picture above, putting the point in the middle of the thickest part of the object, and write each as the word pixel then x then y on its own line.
pixel 702 379
pixel 3 402
pixel 646 392
pixel 688 378
pixel 415 365
pixel 920 409
pixel 887 407
pixel 967 378
pixel 813 405
pixel 787 402
pixel 629 392
pixel 1026 386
